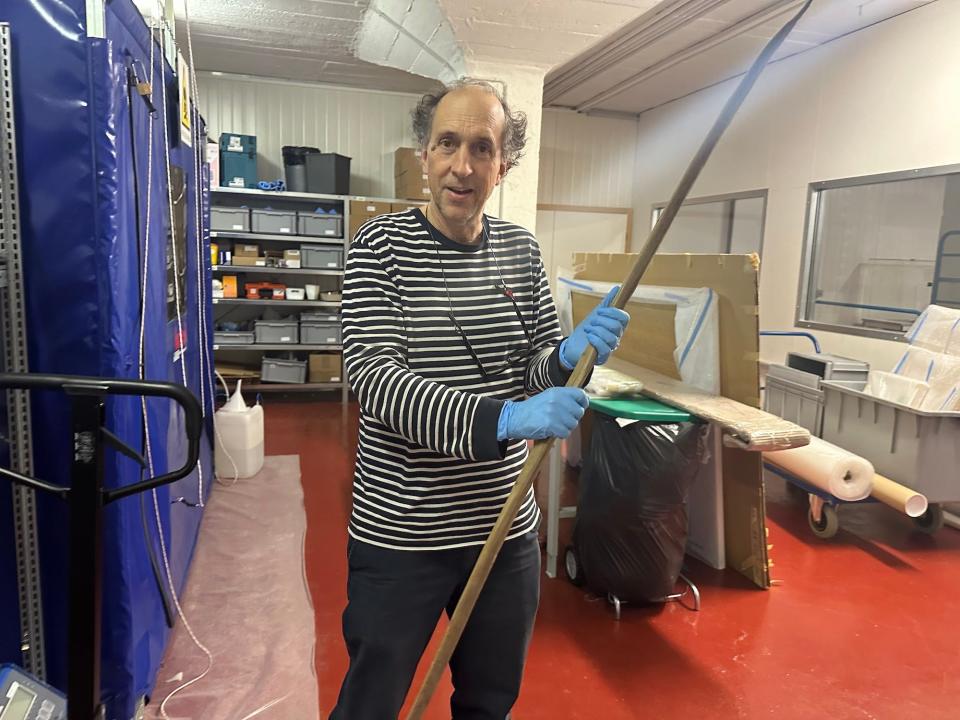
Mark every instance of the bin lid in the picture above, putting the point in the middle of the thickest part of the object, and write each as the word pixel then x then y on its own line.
pixel 643 409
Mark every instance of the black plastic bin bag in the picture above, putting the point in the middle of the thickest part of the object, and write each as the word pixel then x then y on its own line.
pixel 631 527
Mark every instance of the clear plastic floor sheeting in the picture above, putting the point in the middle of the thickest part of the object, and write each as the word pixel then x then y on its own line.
pixel 247 601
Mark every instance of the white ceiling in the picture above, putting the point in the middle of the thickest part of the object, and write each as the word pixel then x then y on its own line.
pixel 542 33
pixel 316 40
pixel 685 45
pixel 305 40
pixel 606 55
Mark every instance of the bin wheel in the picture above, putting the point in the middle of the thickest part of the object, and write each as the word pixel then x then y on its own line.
pixel 829 522
pixel 572 565
pixel 932 520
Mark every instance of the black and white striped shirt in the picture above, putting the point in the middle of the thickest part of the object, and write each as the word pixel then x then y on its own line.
pixel 430 473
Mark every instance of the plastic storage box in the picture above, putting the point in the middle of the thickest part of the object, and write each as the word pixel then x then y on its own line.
pixel 794 395
pixel 321 257
pixel 320 316
pixel 793 391
pixel 277 370
pixel 320 225
pixel 277 222
pixel 236 143
pixel 913 447
pixel 238 160
pixel 830 367
pixel 328 173
pixel 230 219
pixel 233 337
pixel 238 171
pixel 277 332
pixel 319 333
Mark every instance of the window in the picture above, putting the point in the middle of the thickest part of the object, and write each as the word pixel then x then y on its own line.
pixel 719 224
pixel 879 250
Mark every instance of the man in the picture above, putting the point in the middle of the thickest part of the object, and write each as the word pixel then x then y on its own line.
pixel 448 326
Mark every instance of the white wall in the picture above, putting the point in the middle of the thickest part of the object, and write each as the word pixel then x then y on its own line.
pixel 586 160
pixel 365 125
pixel 880 100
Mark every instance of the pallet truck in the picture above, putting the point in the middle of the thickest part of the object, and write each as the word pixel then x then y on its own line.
pixel 23 697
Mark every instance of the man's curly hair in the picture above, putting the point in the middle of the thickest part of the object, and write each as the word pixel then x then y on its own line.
pixel 514 131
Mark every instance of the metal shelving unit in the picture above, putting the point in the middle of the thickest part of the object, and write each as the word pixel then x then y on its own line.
pixel 266 237
pixel 251 309
pixel 242 302
pixel 275 270
pixel 250 197
pixel 283 195
pixel 289 387
pixel 280 346
pixel 13 314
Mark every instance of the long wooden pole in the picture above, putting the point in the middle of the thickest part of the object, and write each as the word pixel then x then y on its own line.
pixel 578 378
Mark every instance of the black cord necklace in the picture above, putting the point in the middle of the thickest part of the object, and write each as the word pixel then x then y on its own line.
pixel 502 287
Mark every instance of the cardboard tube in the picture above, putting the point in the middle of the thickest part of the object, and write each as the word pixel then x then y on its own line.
pixel 898 496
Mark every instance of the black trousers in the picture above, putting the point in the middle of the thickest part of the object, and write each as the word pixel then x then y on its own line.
pixel 394 602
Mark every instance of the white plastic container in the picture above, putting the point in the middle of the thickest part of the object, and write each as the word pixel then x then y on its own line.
pixel 238 450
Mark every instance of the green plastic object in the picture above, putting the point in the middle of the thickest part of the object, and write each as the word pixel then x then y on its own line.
pixel 642 409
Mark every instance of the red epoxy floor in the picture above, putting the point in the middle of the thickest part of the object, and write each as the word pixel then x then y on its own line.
pixel 862 626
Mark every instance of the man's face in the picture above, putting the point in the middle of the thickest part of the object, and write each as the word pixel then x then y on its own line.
pixel 463 159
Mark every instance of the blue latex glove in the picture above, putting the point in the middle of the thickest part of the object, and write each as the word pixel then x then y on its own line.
pixel 554 413
pixel 602 328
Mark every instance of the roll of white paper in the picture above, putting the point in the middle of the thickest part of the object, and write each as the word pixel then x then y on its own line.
pixel 842 474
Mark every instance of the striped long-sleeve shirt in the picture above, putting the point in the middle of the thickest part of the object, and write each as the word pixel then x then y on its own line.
pixel 430 473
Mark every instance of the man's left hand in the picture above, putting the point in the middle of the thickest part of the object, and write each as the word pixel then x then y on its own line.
pixel 602 328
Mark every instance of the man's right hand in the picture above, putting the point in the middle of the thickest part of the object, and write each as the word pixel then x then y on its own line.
pixel 554 413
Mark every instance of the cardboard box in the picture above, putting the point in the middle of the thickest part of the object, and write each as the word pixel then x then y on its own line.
pixel 325 368
pixel 291 258
pixel 371 208
pixel 362 210
pixel 355 222
pixel 409 180
pixel 229 286
pixel 242 250
pixel 249 261
pixel 403 207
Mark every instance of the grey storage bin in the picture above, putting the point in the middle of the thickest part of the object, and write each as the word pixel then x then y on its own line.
pixel 797 402
pixel 233 337
pixel 230 219
pixel 314 256
pixel 277 370
pixel 794 391
pixel 913 447
pixel 309 223
pixel 277 222
pixel 320 316
pixel 320 333
pixel 277 332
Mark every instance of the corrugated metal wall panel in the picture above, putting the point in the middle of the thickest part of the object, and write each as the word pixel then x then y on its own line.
pixel 586 160
pixel 364 125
